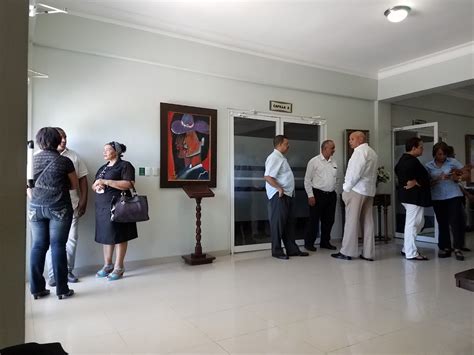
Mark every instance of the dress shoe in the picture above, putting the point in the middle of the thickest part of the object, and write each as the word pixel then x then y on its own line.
pixel 41 294
pixel 310 248
pixel 465 249
pixel 280 256
pixel 66 295
pixel 444 253
pixel 363 258
pixel 327 246
pixel 341 256
pixel 300 253
pixel 71 277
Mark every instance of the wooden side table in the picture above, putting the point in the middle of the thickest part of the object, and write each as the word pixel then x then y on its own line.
pixel 382 201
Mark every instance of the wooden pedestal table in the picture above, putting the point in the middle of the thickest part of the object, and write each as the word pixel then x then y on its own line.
pixel 198 192
pixel 382 200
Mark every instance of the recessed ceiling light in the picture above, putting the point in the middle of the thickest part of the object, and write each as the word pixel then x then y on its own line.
pixel 397 13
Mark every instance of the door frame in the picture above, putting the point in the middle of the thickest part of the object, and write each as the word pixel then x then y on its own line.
pixel 279 120
pixel 396 234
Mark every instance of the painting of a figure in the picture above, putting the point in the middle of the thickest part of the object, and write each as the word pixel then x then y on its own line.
pixel 188 147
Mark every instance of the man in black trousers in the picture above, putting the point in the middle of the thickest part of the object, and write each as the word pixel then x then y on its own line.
pixel 320 186
pixel 280 187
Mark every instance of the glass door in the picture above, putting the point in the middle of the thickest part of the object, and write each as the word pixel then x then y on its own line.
pixel 252 143
pixel 305 143
pixel 428 132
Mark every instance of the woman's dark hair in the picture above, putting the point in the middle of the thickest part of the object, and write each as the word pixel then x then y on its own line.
pixel 118 147
pixel 440 145
pixel 48 138
pixel 451 153
pixel 413 142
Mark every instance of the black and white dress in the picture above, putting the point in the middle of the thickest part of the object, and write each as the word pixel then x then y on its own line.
pixel 107 232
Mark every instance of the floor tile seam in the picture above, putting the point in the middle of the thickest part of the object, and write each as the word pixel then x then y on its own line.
pixel 196 327
pixel 244 334
pixel 204 315
pixel 311 345
pixel 359 326
pixel 302 320
pixel 62 334
pixel 373 336
pixel 346 325
pixel 450 329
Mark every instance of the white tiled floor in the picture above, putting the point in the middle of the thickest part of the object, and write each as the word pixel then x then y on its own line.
pixel 254 304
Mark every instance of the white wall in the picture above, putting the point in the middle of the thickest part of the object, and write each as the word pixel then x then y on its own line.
pixel 449 67
pixel 96 98
pixel 453 126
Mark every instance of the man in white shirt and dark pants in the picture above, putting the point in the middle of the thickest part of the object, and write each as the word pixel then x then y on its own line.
pixel 320 185
pixel 359 191
pixel 280 188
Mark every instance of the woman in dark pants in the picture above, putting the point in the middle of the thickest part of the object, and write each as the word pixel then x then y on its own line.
pixel 115 177
pixel 447 200
pixel 50 213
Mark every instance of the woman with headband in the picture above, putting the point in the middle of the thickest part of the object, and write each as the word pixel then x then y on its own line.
pixel 115 177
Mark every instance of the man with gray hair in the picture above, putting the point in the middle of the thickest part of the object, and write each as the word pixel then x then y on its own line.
pixel 79 204
pixel 358 196
pixel 320 186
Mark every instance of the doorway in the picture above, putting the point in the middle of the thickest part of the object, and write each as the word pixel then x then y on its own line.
pixel 252 136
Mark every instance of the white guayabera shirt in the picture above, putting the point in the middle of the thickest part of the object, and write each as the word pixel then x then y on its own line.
pixel 361 174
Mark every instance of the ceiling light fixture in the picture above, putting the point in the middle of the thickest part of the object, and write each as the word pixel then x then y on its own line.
pixel 397 13
pixel 40 9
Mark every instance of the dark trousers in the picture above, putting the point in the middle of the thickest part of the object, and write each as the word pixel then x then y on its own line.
pixel 49 226
pixel 322 212
pixel 450 213
pixel 282 224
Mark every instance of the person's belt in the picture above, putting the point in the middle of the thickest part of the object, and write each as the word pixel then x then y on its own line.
pixel 323 192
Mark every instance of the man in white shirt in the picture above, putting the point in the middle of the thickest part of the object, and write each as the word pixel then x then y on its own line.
pixel 79 204
pixel 280 187
pixel 320 185
pixel 359 191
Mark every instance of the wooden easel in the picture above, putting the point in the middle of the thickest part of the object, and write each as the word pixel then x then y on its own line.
pixel 198 192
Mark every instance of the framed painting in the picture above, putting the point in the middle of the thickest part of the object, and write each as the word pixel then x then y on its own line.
pixel 347 148
pixel 470 158
pixel 188 145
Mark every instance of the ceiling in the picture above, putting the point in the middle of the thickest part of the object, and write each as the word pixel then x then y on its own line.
pixel 350 36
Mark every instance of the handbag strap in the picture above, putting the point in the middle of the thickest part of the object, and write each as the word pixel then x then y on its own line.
pixel 134 191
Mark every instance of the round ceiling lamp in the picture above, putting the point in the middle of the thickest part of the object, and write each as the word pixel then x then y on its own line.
pixel 397 13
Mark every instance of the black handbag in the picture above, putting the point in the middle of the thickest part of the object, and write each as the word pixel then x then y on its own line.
pixel 128 209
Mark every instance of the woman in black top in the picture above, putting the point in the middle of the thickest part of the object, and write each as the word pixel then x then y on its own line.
pixel 414 194
pixel 50 213
pixel 113 179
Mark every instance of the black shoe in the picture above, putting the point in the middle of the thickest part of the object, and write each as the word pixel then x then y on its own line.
pixel 341 256
pixel 280 256
pixel 310 248
pixel 41 294
pixel 459 255
pixel 52 282
pixel 66 295
pixel 403 253
pixel 465 249
pixel 71 277
pixel 363 258
pixel 300 253
pixel 327 246
pixel 444 253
